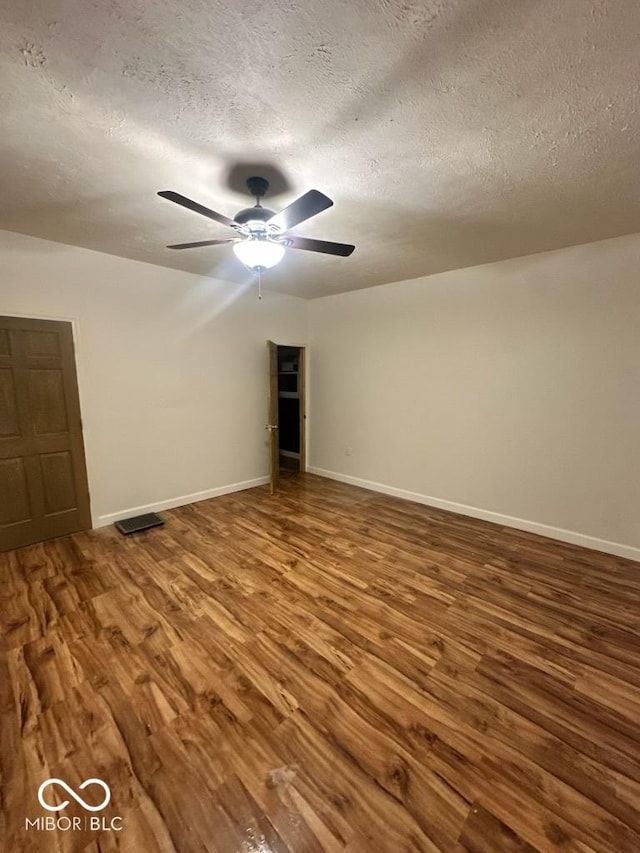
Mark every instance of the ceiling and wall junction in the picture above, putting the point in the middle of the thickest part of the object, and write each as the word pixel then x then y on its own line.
pixel 449 134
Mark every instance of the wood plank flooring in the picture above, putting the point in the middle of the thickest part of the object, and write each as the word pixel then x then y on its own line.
pixel 329 669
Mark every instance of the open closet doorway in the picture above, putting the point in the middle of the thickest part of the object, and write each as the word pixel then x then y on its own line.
pixel 286 410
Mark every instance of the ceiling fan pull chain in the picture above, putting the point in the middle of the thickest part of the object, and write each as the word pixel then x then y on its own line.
pixel 259 283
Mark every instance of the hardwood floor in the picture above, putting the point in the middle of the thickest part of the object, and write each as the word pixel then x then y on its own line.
pixel 328 669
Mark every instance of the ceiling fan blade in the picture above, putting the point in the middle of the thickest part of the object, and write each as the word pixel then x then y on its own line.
pixel 200 243
pixel 302 208
pixel 324 246
pixel 197 208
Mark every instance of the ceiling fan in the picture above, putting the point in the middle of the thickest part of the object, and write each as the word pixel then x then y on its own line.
pixel 262 234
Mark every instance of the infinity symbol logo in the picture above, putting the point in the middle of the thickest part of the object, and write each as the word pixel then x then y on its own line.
pixel 71 792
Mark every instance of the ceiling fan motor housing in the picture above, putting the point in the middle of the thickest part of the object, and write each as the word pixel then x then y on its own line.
pixel 257 186
pixel 257 214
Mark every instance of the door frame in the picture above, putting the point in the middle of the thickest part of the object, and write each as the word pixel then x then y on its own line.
pixel 304 406
pixel 273 415
pixel 77 350
pixel 304 398
pixel 302 391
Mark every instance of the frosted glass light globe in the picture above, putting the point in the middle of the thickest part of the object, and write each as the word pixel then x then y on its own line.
pixel 259 254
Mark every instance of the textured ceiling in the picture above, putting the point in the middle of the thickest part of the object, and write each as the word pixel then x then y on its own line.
pixel 448 133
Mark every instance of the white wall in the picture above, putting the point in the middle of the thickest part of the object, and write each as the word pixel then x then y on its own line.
pixel 511 388
pixel 172 369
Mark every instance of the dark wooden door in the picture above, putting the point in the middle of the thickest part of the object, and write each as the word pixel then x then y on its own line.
pixel 43 479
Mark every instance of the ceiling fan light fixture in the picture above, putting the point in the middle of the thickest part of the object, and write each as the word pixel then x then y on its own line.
pixel 259 254
pixel 262 235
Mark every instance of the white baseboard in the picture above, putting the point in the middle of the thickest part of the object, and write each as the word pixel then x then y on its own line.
pixel 570 536
pixel 104 520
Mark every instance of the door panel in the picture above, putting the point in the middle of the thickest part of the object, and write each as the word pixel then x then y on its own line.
pixel 14 493
pixel 42 343
pixel 57 479
pixel 43 480
pixel 47 401
pixel 9 423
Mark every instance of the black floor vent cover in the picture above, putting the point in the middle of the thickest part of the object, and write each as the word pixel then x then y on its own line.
pixel 140 522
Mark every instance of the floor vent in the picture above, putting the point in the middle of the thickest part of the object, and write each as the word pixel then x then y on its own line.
pixel 138 523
